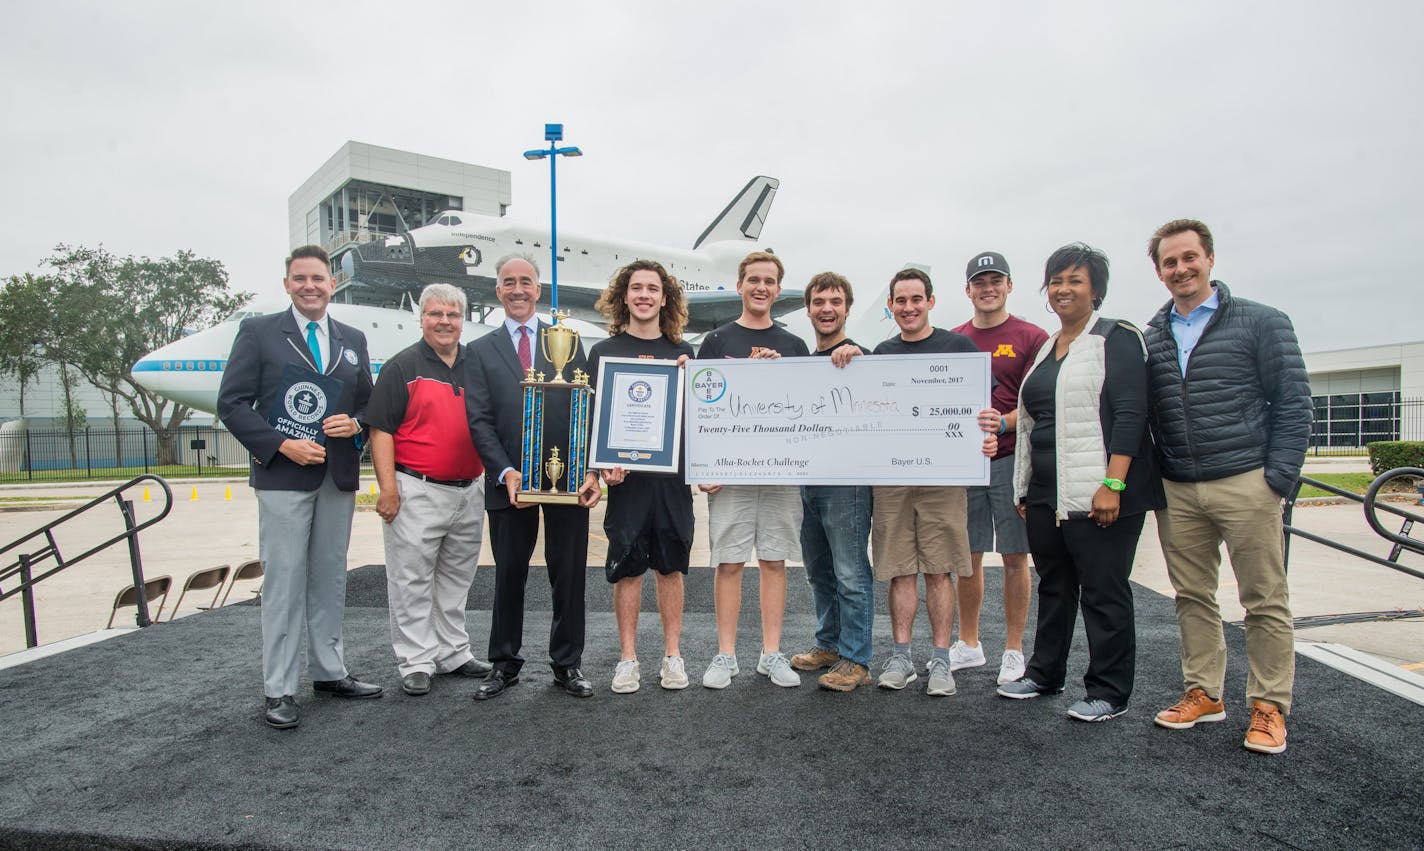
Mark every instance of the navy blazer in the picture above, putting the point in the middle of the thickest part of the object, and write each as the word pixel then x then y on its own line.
pixel 264 345
pixel 496 404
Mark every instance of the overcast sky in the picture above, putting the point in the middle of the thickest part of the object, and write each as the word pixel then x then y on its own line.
pixel 920 132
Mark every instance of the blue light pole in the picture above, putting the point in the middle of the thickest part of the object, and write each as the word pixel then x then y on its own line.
pixel 553 133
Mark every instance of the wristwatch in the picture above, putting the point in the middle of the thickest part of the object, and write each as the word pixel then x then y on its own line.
pixel 1115 485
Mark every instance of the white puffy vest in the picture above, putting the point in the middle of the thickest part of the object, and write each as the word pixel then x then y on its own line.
pixel 1082 456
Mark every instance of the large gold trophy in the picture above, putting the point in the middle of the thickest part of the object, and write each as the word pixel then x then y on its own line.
pixel 555 473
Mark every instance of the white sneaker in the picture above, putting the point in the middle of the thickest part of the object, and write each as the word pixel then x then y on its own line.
pixel 778 668
pixel 1011 668
pixel 961 656
pixel 626 677
pixel 673 675
pixel 719 674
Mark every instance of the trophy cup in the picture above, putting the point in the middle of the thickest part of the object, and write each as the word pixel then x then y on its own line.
pixel 554 464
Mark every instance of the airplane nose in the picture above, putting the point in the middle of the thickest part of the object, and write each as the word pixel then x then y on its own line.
pixel 188 382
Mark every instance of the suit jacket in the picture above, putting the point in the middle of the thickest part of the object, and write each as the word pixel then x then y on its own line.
pixel 496 405
pixel 264 345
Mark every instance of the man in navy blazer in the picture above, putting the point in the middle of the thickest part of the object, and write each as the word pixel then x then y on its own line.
pixel 306 489
pixel 496 423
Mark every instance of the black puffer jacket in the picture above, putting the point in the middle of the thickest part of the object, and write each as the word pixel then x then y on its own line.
pixel 1244 402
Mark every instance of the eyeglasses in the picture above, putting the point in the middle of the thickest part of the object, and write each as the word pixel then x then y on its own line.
pixel 448 316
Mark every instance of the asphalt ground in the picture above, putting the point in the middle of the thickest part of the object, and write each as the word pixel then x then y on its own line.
pixel 155 740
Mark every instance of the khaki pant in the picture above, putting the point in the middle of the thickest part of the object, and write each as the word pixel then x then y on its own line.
pixel 920 529
pixel 1245 513
pixel 432 548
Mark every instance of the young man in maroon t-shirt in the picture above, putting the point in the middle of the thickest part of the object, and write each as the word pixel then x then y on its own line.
pixel 993 521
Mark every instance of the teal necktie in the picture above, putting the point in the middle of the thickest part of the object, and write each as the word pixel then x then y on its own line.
pixel 314 345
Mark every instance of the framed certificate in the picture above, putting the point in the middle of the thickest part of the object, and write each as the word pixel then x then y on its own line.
pixel 637 423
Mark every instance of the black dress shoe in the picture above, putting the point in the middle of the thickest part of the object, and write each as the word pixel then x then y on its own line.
pixel 347 686
pixel 573 681
pixel 415 684
pixel 495 683
pixel 472 668
pixel 281 712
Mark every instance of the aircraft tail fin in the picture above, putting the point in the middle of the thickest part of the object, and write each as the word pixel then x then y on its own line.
pixel 744 217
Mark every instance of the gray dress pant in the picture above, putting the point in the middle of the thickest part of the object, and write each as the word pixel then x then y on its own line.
pixel 302 541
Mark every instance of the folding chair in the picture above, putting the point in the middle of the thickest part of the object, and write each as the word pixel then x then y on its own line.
pixel 156 587
pixel 213 578
pixel 247 570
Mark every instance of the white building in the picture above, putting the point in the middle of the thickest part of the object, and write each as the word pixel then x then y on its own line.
pixel 1366 394
pixel 366 193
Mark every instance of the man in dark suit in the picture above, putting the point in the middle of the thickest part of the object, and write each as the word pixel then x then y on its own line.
pixel 496 364
pixel 306 486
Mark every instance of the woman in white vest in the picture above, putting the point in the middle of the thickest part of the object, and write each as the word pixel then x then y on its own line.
pixel 1085 476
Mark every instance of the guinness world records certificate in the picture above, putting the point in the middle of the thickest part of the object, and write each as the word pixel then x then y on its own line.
pixel 882 420
pixel 637 421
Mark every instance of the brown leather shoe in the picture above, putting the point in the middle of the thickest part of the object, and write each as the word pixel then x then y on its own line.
pixel 814 659
pixel 1195 707
pixel 1267 733
pixel 845 676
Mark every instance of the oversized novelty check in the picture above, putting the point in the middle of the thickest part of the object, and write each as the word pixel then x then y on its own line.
pixel 883 420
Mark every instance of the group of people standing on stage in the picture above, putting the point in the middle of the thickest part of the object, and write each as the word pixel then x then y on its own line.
pixel 1203 418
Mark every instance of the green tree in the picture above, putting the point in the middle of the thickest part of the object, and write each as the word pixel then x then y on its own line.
pixel 107 312
pixel 23 321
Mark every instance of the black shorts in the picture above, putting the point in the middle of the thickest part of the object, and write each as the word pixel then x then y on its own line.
pixel 649 525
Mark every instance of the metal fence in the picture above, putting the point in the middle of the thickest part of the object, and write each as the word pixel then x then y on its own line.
pixel 47 455
pixel 1345 424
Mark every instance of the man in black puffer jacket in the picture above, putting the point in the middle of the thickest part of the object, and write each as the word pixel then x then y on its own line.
pixel 1230 411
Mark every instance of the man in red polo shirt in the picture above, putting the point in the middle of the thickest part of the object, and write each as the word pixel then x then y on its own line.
pixel 432 495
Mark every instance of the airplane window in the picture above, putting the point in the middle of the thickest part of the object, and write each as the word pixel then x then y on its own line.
pixel 443 220
pixel 375 324
pixel 454 220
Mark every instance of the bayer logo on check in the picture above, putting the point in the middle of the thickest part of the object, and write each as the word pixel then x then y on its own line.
pixel 708 385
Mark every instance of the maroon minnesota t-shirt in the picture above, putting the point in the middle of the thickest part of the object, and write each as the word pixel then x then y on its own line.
pixel 1013 343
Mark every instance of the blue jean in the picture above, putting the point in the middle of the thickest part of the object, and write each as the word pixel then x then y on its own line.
pixel 835 533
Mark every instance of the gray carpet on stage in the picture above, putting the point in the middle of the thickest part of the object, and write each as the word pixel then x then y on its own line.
pixel 155 740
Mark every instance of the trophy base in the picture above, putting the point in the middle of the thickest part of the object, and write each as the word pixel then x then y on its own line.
pixel 548 497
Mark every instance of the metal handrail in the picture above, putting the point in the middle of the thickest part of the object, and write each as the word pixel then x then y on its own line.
pixel 25 562
pixel 1401 540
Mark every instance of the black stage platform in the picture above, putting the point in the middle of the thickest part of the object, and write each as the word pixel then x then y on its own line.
pixel 155 740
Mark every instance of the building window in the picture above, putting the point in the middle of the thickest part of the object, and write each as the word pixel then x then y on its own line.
pixel 1355 419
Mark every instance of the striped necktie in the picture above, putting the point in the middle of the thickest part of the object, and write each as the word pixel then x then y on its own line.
pixel 314 345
